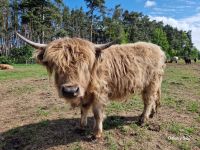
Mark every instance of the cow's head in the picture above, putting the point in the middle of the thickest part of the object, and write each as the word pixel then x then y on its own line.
pixel 71 60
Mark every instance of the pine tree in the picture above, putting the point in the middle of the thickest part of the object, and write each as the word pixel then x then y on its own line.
pixel 94 5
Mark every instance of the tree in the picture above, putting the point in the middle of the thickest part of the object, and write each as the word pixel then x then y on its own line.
pixel 40 19
pixel 194 53
pixel 22 54
pixel 66 21
pixel 5 26
pixel 160 38
pixel 185 44
pixel 94 5
pixel 45 20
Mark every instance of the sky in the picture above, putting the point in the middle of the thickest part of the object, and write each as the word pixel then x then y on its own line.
pixel 183 14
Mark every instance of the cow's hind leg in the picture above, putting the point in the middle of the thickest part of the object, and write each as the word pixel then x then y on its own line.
pixel 149 106
pixel 156 104
pixel 151 97
pixel 158 99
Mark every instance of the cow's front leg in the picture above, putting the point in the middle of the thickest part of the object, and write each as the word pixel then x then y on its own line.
pixel 85 107
pixel 98 110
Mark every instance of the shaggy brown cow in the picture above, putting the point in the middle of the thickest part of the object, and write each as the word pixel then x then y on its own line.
pixel 89 75
pixel 5 67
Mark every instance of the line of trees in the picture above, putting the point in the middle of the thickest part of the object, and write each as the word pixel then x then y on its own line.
pixel 45 20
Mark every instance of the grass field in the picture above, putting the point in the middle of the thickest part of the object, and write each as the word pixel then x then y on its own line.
pixel 33 117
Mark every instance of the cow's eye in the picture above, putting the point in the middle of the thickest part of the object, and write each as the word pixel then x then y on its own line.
pixel 73 62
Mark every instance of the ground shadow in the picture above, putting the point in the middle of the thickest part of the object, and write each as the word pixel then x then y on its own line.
pixel 51 133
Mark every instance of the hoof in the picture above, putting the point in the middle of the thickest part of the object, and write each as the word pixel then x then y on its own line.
pixel 98 134
pixel 95 139
pixel 142 121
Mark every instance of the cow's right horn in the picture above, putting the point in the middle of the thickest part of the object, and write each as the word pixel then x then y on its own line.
pixel 100 47
pixel 33 44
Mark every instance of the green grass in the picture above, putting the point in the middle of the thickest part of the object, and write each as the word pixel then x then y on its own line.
pixel 134 103
pixel 124 129
pixel 140 133
pixel 170 101
pixel 180 77
pixel 179 129
pixel 184 146
pixel 198 142
pixel 42 111
pixel 76 146
pixel 193 106
pixel 110 141
pixel 128 144
pixel 22 71
pixel 198 119
pixel 179 83
pixel 22 89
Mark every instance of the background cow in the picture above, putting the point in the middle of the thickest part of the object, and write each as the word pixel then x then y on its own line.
pixel 89 75
pixel 5 67
pixel 187 60
pixel 175 59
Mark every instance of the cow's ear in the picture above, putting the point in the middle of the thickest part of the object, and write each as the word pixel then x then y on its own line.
pixel 39 55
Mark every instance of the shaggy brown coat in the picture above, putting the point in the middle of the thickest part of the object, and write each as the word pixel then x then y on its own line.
pixel 101 75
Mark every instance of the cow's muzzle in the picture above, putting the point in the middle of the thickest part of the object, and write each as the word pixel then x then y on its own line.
pixel 70 91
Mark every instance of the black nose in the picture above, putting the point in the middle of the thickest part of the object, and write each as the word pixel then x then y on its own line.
pixel 70 91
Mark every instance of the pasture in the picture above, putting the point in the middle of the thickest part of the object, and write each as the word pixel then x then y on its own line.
pixel 33 117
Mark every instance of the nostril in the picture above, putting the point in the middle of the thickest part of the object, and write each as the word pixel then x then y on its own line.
pixel 76 90
pixel 70 90
pixel 63 89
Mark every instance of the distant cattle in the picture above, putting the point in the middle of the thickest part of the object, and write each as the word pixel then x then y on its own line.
pixel 195 60
pixel 5 67
pixel 173 59
pixel 187 60
pixel 88 75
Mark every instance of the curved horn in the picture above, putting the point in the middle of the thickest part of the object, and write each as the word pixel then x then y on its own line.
pixel 100 47
pixel 33 44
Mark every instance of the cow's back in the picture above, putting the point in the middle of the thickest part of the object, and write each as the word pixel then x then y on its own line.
pixel 147 52
pixel 130 67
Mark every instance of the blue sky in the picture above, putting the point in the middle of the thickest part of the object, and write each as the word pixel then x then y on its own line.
pixel 183 14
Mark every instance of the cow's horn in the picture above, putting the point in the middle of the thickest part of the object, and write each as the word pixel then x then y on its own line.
pixel 100 47
pixel 33 44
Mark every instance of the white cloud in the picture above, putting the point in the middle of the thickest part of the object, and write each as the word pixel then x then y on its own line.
pixel 190 23
pixel 188 2
pixel 149 3
pixel 165 9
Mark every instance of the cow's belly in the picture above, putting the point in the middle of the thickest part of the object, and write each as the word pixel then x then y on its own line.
pixel 124 87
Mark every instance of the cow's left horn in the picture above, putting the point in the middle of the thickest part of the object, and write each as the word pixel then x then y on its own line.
pixel 100 47
pixel 33 44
